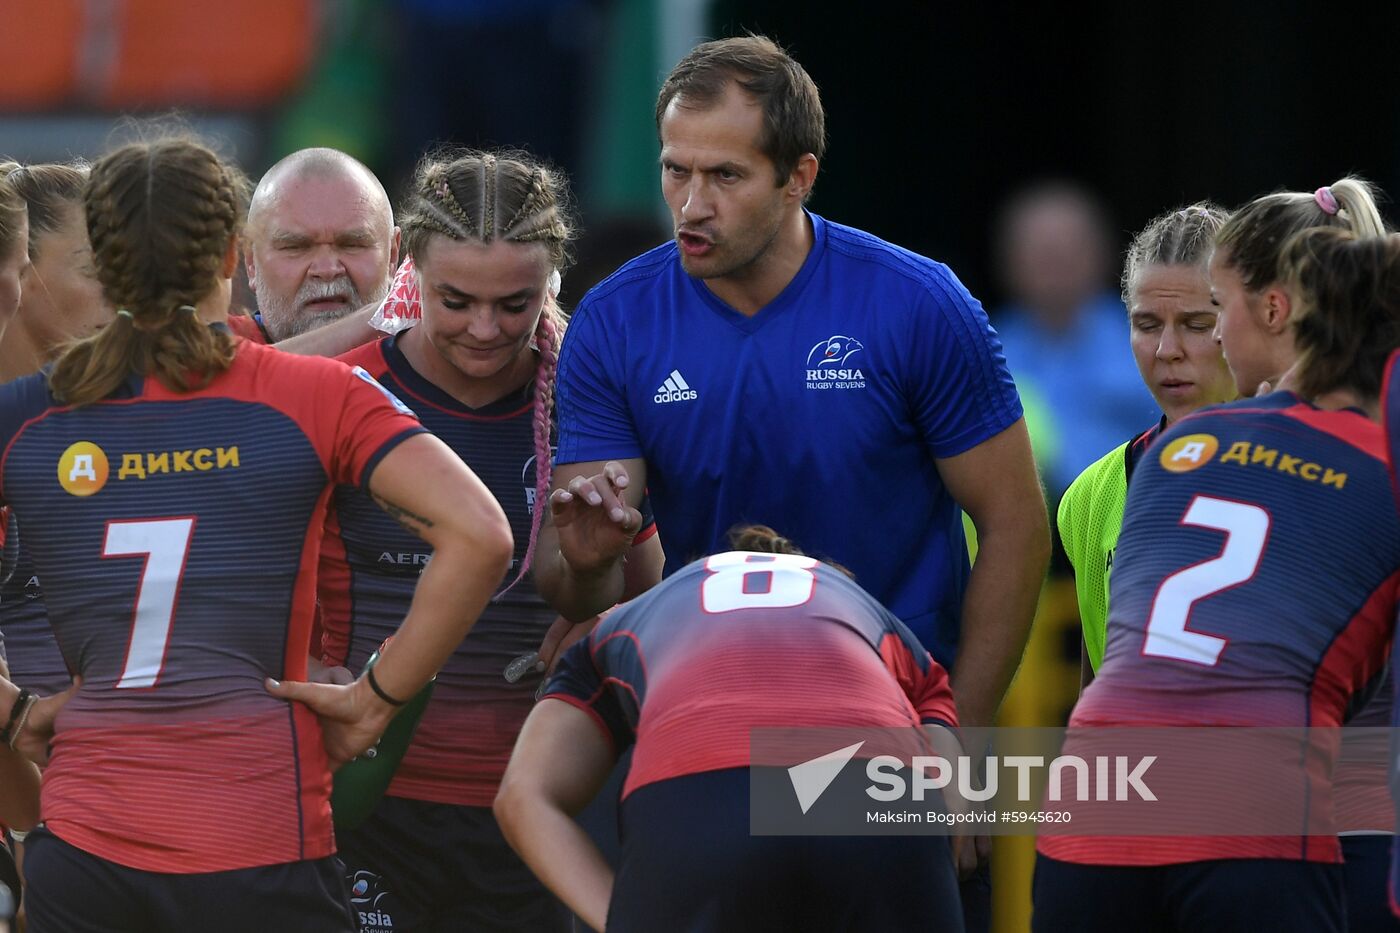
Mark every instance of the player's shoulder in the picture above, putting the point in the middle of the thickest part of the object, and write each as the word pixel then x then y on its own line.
pixel 1390 405
pixel 1106 476
pixel 1388 385
pixel 1278 413
pixel 636 275
pixel 23 400
pixel 877 262
pixel 269 363
pixel 247 327
pixel 1107 472
pixel 296 385
pixel 368 356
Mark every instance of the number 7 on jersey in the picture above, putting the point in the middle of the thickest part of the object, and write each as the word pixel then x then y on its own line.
pixel 165 544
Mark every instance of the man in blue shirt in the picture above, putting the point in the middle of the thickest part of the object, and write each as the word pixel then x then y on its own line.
pixel 771 366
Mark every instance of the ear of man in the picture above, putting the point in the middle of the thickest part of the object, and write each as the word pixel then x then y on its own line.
pixel 804 175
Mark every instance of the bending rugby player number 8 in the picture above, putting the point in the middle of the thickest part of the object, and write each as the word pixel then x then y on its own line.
pixel 789 582
pixel 1247 529
pixel 165 544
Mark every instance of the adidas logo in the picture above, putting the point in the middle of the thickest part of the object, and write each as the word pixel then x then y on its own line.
pixel 674 389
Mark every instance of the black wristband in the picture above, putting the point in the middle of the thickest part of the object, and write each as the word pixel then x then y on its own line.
pixel 379 691
pixel 24 695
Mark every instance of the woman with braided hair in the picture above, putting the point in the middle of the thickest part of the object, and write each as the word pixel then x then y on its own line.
pixel 161 464
pixel 488 236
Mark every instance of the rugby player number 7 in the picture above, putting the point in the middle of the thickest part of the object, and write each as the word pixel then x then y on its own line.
pixel 1246 530
pixel 165 544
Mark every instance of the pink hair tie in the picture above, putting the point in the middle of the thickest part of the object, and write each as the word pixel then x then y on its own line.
pixel 1326 200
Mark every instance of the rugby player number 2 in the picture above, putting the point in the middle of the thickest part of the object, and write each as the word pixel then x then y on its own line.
pixel 1246 529
pixel 756 581
pixel 164 543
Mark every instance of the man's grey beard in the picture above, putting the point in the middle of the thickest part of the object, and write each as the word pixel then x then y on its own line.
pixel 282 319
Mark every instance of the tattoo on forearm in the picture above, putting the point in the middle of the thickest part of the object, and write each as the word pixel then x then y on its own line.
pixel 414 523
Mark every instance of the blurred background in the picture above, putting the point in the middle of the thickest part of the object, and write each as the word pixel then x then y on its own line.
pixel 1021 146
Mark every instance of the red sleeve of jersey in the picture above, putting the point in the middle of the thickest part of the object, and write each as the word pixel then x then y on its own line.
pixel 372 422
pixel 318 633
pixel 369 355
pixel 926 685
pixel 247 327
pixel 1390 413
pixel 578 682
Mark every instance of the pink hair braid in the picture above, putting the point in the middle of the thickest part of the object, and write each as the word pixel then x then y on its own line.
pixel 547 339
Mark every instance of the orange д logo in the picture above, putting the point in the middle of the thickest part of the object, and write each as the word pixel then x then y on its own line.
pixel 1189 453
pixel 82 470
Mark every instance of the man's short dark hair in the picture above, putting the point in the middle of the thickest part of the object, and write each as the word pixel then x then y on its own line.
pixel 793 121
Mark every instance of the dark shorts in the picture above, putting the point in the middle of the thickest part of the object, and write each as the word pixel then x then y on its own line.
pixel 1222 896
pixel 415 867
pixel 68 890
pixel 976 896
pixel 9 878
pixel 689 863
pixel 1367 875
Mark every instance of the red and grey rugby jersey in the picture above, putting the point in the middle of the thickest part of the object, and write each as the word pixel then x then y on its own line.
pixel 370 565
pixel 177 537
pixel 740 641
pixel 1255 585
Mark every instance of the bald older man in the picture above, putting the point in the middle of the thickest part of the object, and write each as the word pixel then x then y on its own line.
pixel 320 242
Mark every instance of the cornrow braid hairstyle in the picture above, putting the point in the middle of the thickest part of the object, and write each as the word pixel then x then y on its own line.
pixel 1181 237
pixel 451 187
pixel 1252 241
pixel 536 199
pixel 160 216
pixel 488 197
pixel 438 195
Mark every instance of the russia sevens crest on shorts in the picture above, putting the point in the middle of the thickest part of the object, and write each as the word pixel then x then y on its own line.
pixel 1190 452
pixel 367 897
pixel 830 364
pixel 83 469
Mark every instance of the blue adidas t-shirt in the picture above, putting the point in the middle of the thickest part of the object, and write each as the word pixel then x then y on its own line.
pixel 820 416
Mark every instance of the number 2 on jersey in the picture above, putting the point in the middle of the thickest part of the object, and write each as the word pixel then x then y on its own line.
pixel 1246 529
pixel 165 543
pixel 790 581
